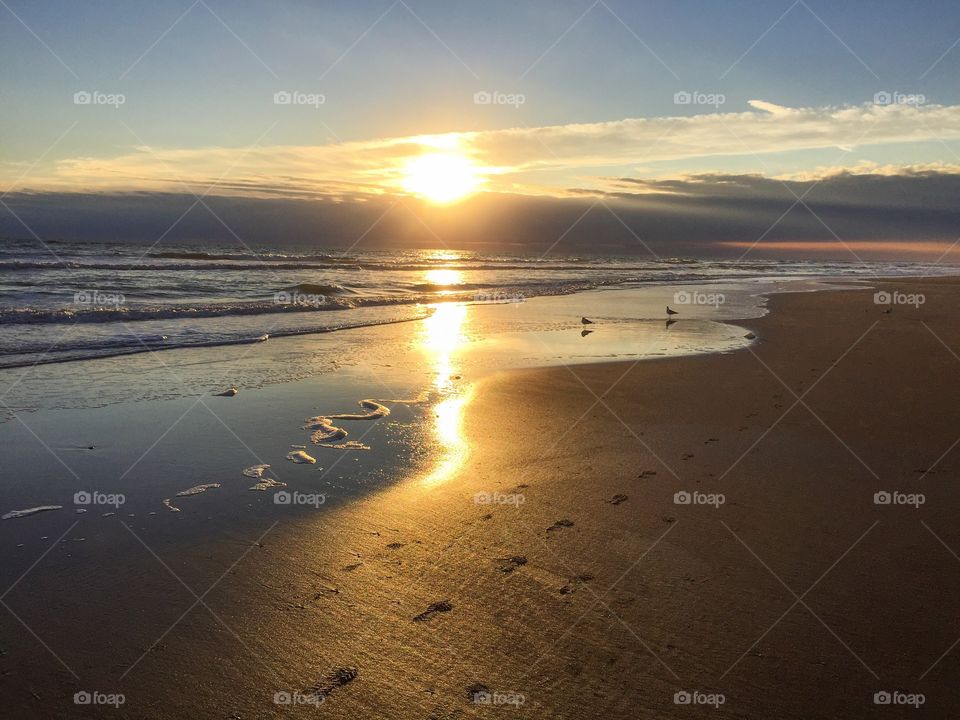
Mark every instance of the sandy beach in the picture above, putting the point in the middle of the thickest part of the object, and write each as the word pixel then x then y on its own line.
pixel 558 573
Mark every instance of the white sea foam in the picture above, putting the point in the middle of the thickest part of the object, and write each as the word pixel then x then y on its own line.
pixel 170 506
pixel 263 483
pixel 376 411
pixel 197 489
pixel 324 430
pixel 348 445
pixel 29 511
pixel 299 456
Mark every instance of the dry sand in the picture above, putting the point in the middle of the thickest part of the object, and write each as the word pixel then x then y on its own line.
pixel 599 596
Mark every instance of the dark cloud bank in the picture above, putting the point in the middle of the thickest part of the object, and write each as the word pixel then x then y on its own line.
pixel 690 217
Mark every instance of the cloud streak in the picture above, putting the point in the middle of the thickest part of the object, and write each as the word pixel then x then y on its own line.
pixel 509 157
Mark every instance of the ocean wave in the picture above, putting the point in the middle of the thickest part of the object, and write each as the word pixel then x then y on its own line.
pixel 25 356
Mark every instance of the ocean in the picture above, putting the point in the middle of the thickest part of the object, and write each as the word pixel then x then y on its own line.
pixel 65 301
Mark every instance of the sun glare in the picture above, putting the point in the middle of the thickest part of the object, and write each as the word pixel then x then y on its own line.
pixel 441 178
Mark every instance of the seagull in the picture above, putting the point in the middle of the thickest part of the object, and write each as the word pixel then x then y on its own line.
pixel 671 312
pixel 584 321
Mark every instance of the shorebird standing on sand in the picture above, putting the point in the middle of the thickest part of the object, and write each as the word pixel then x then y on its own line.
pixel 671 312
pixel 584 321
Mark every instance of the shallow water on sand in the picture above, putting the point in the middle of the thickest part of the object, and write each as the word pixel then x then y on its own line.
pixel 380 403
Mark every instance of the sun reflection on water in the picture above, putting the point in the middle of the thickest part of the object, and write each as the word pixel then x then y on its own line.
pixel 442 341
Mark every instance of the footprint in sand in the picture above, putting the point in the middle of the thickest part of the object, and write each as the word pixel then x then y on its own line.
pixel 711 440
pixel 617 499
pixel 333 681
pixel 574 583
pixel 351 568
pixel 395 545
pixel 648 473
pixel 438 607
pixel 509 564
pixel 560 524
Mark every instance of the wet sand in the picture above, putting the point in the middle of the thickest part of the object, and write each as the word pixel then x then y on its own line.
pixel 574 582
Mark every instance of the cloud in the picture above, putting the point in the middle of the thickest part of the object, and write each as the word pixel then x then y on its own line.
pixel 507 157
pixel 906 214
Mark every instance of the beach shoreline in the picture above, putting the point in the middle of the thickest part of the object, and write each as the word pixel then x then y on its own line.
pixel 558 565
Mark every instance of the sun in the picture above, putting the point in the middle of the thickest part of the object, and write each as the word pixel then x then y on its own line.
pixel 442 178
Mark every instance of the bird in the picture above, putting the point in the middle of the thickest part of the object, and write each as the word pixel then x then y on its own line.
pixel 584 321
pixel 671 312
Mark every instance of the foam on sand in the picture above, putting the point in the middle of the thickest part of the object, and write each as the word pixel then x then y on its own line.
pixel 348 445
pixel 29 511
pixel 197 489
pixel 299 456
pixel 324 430
pixel 376 411
pixel 263 483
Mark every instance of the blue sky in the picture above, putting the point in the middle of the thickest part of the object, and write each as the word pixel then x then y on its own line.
pixel 200 85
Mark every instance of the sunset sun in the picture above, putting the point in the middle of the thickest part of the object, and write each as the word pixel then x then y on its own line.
pixel 442 178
